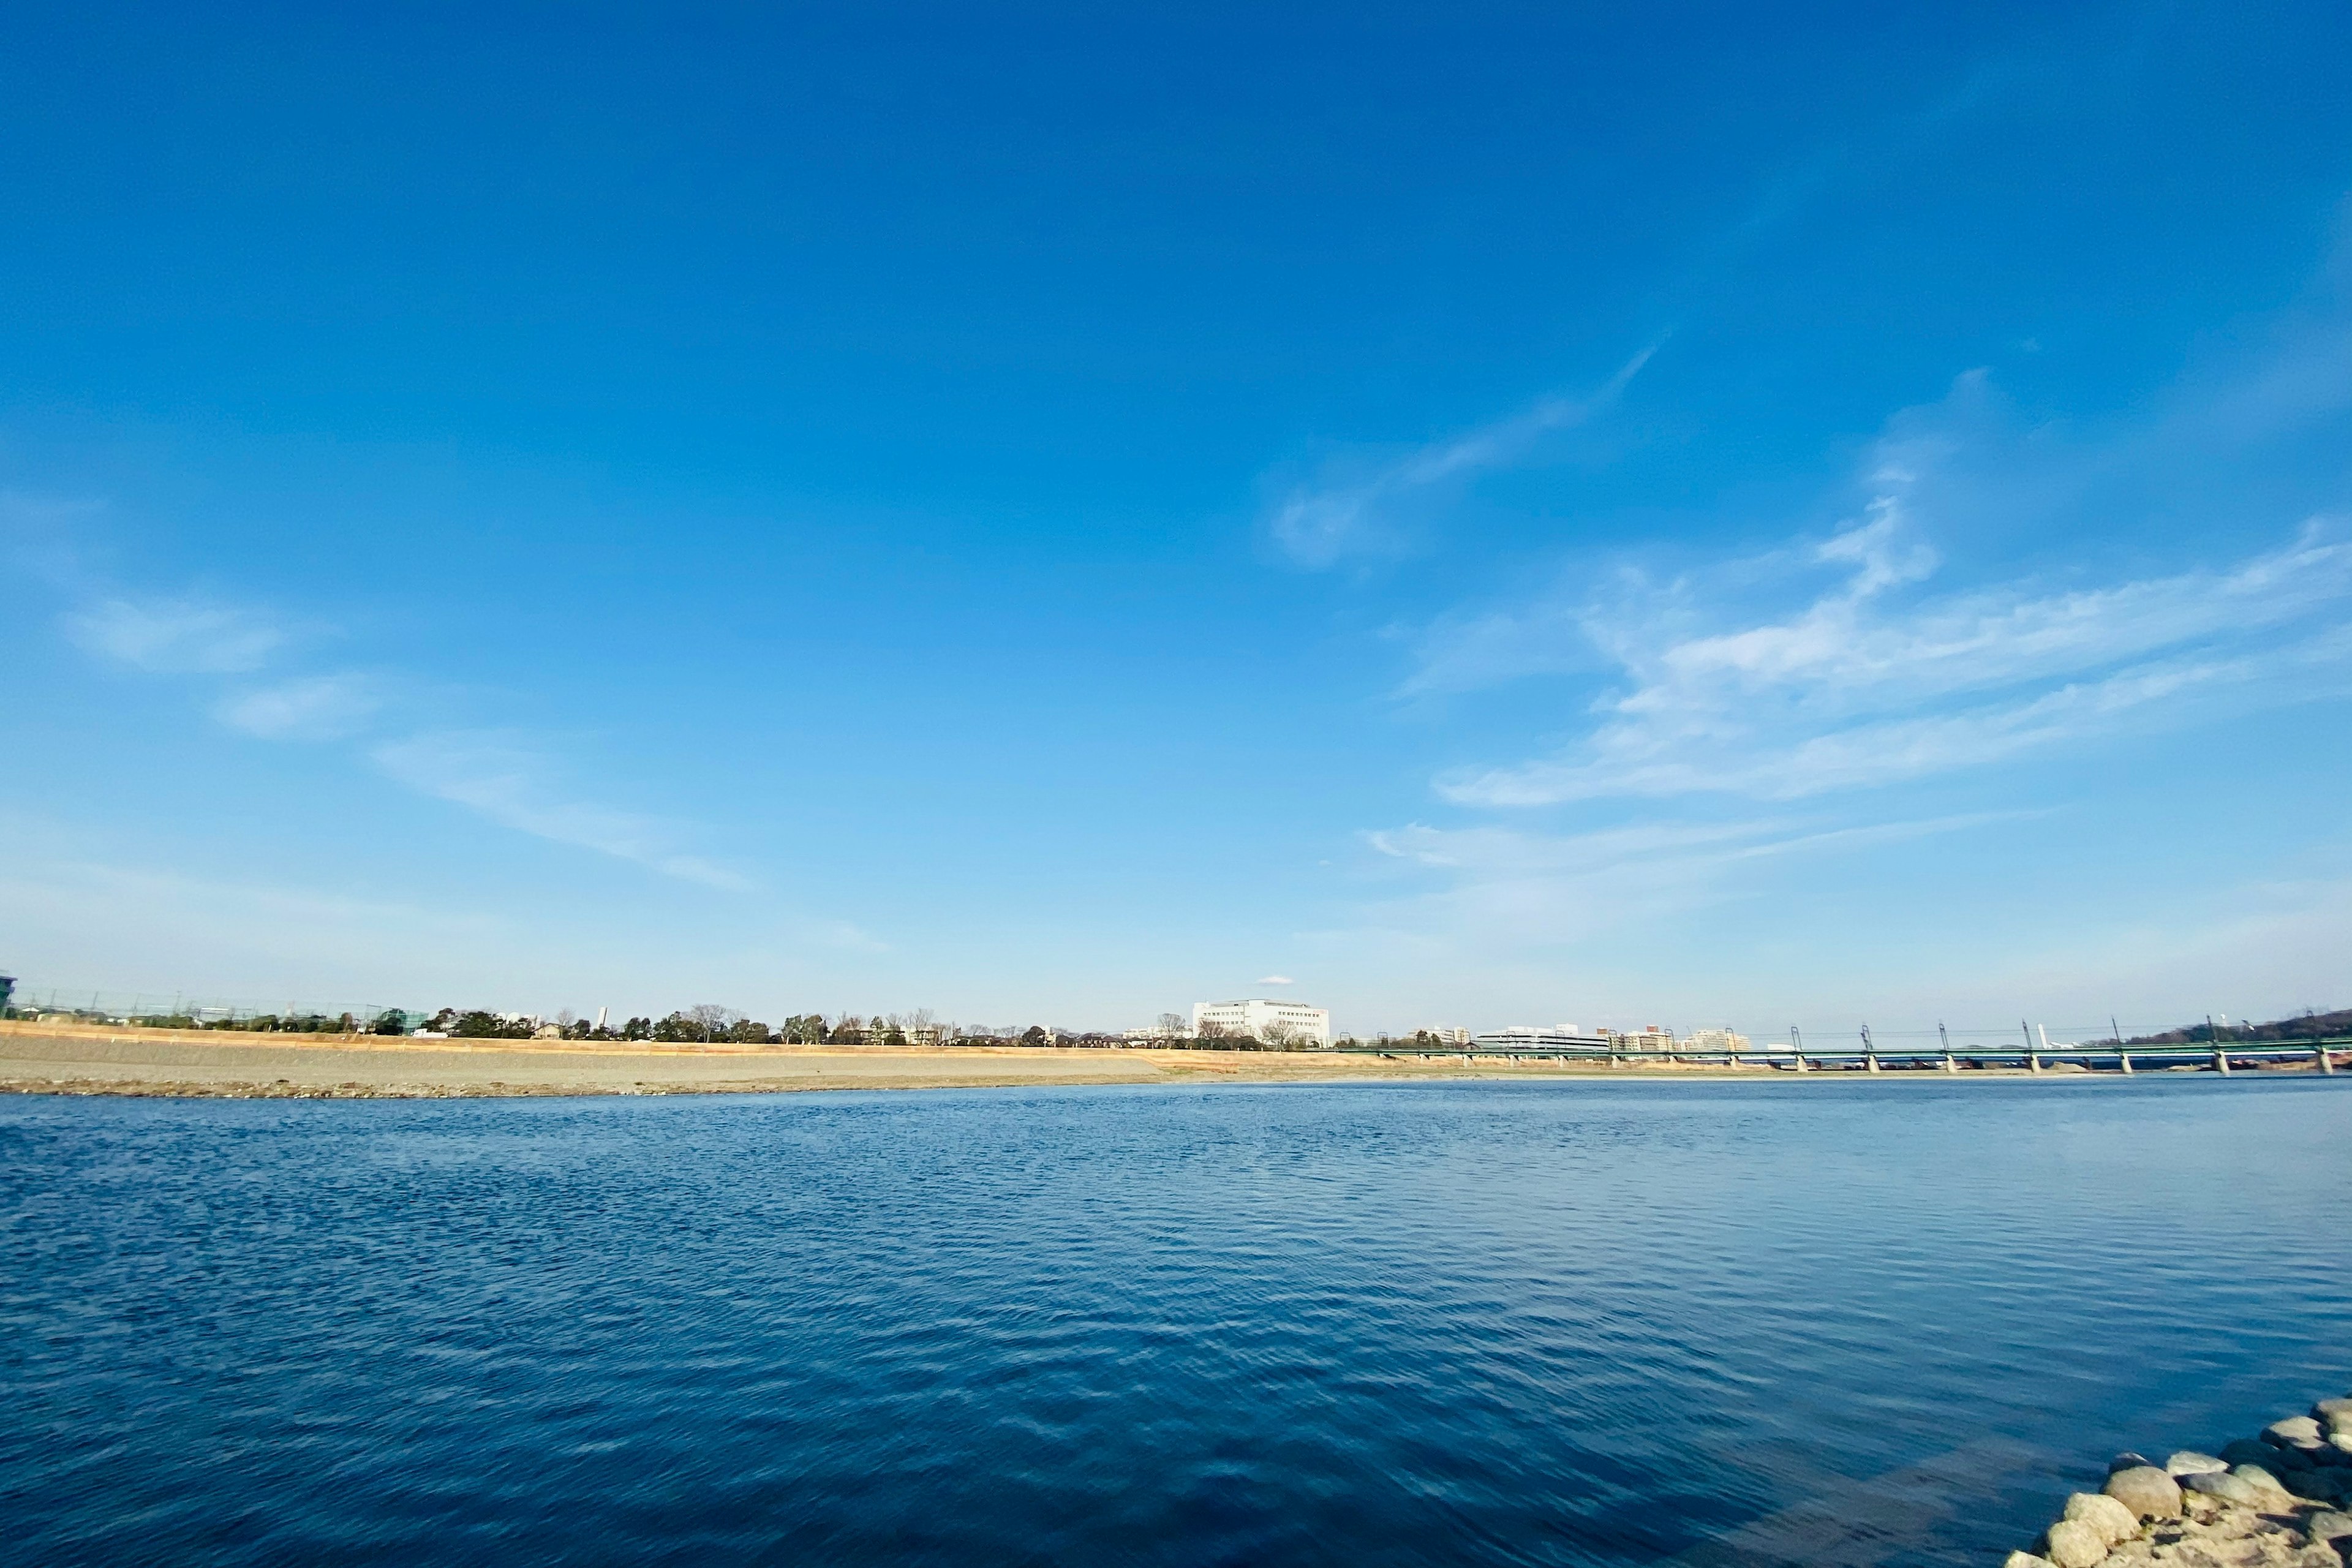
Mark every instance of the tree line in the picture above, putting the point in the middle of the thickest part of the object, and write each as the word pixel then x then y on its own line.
pixel 709 1024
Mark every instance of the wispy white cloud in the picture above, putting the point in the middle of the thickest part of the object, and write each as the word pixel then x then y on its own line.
pixel 491 773
pixel 1321 525
pixel 176 636
pixel 313 708
pixel 1838 663
pixel 494 775
pixel 1273 980
pixel 1855 689
pixel 1957 618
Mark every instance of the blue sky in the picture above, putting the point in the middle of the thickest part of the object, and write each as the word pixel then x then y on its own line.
pixel 1487 514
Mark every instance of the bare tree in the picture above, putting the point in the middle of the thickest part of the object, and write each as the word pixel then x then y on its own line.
pixel 715 1020
pixel 1171 1023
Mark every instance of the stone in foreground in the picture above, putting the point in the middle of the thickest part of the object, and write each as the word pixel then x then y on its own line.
pixel 2294 1432
pixel 2111 1518
pixel 2147 1492
pixel 2201 1512
pixel 2075 1544
pixel 2226 1487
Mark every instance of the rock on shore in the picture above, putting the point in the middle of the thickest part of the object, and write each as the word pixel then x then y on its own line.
pixel 2279 1502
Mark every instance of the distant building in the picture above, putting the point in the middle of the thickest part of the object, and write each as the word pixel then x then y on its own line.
pixel 1715 1040
pixel 1543 1037
pixel 1448 1035
pixel 7 990
pixel 1649 1037
pixel 1265 1020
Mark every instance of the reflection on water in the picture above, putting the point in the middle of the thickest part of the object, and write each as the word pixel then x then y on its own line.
pixel 1714 1323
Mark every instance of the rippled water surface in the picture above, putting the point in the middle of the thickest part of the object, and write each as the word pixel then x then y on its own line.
pixel 1571 1322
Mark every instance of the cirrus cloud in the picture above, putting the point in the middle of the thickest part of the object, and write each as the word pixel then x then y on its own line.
pixel 175 637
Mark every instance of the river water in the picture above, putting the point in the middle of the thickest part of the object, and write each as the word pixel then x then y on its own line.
pixel 1586 1322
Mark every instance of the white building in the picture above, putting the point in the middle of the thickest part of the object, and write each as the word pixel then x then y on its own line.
pixel 1715 1040
pixel 1544 1038
pixel 1268 1021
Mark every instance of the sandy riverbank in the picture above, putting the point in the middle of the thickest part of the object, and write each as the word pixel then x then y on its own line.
pixel 82 1059
pixel 53 1059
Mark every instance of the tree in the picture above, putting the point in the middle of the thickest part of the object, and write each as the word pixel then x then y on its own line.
pixel 749 1032
pixel 1171 1023
pixel 638 1029
pixel 680 1028
pixel 715 1020
pixel 392 1021
pixel 1034 1035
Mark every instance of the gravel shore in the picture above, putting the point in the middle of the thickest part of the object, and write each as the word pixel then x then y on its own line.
pixel 2276 1501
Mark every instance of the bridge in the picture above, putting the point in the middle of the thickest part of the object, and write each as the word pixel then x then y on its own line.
pixel 2030 1055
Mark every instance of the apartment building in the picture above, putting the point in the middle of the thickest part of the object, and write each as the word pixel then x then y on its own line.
pixel 1265 1020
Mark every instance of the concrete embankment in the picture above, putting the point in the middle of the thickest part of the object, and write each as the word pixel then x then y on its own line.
pixel 2276 1501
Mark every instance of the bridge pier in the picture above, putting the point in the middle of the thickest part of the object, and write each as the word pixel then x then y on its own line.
pixel 2125 1057
pixel 2326 1063
pixel 2221 1062
pixel 1950 1065
pixel 1870 1063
